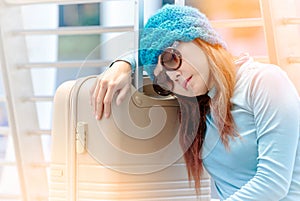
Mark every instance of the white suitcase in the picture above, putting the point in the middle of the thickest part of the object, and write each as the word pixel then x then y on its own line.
pixel 132 156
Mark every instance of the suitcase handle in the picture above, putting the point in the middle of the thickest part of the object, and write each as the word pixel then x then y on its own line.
pixel 147 97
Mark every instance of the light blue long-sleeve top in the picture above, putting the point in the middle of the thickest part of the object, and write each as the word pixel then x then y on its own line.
pixel 264 164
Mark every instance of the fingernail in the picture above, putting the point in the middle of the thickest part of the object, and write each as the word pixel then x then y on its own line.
pixel 97 117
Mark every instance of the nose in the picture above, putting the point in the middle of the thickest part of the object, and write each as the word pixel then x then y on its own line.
pixel 174 75
pixel 157 70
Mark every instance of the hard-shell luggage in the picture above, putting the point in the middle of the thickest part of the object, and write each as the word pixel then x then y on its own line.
pixel 134 155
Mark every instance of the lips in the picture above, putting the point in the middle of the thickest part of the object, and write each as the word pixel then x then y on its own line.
pixel 186 82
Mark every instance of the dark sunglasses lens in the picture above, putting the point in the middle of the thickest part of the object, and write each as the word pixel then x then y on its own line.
pixel 161 91
pixel 171 59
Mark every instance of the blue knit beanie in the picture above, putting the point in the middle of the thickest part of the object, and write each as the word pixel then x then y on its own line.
pixel 173 23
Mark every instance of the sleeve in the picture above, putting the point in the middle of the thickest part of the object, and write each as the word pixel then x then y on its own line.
pixel 129 58
pixel 276 109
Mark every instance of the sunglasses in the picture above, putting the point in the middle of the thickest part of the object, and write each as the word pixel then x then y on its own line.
pixel 171 58
pixel 162 86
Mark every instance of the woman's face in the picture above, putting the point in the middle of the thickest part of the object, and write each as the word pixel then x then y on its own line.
pixel 193 77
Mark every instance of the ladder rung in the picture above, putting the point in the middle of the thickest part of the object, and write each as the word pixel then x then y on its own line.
pixel 38 99
pixel 7 163
pixel 80 30
pixel 40 165
pixel 2 99
pixel 263 59
pixel 39 132
pixel 60 2
pixel 238 23
pixel 34 165
pixel 18 197
pixel 4 130
pixel 67 64
pixel 292 60
pixel 291 21
pixel 10 197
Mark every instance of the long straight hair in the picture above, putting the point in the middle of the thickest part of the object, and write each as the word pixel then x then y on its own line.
pixel 193 124
pixel 223 72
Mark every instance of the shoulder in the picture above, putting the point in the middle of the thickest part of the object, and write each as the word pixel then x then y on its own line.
pixel 267 78
pixel 256 71
pixel 259 76
pixel 259 82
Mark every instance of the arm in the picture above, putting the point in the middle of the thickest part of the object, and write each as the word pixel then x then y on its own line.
pixel 276 111
pixel 115 81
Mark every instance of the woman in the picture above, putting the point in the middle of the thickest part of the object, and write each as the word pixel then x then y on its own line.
pixel 248 135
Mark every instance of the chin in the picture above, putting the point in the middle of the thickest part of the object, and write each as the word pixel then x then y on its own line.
pixel 186 94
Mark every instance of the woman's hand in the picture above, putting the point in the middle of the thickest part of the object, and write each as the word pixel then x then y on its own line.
pixel 115 81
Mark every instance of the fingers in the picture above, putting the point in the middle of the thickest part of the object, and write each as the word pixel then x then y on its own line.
pixel 107 100
pixel 107 85
pixel 100 92
pixel 102 97
pixel 122 94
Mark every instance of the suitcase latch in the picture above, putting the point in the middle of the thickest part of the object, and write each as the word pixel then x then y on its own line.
pixel 81 132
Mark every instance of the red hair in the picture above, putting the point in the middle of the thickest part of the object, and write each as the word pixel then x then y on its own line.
pixel 193 113
pixel 193 110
